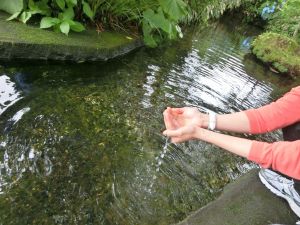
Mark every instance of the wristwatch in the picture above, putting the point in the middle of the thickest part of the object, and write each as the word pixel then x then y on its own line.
pixel 212 120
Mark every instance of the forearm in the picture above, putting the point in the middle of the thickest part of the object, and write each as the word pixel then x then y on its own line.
pixel 235 122
pixel 239 146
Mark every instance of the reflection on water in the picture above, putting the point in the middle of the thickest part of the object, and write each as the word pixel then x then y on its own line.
pixel 8 93
pixel 84 145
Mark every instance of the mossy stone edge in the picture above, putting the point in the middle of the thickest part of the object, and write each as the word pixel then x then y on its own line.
pixel 278 51
pixel 20 41
pixel 246 201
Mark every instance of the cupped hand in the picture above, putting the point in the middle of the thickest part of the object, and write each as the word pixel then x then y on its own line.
pixel 182 123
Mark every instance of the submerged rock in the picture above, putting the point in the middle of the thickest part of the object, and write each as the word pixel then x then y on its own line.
pixel 19 41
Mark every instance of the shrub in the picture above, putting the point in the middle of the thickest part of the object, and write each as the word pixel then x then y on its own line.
pixel 287 20
pixel 158 19
pixel 59 14
pixel 207 9
pixel 279 51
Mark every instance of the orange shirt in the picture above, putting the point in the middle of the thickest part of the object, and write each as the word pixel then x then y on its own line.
pixel 282 156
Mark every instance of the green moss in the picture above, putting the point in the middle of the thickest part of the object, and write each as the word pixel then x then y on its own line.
pixel 18 40
pixel 16 31
pixel 279 51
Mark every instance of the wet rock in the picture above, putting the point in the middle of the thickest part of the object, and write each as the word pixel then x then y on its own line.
pixel 244 202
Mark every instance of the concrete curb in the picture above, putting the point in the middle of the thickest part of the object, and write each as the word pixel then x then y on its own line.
pixel 244 202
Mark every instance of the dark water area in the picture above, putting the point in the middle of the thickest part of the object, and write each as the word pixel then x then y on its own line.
pixel 82 143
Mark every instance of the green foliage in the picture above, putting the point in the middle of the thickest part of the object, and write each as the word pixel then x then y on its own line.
pixel 252 11
pixel 287 20
pixel 11 6
pixel 281 19
pixel 87 10
pixel 279 51
pixel 206 9
pixel 163 23
pixel 278 16
pixel 158 19
pixel 58 14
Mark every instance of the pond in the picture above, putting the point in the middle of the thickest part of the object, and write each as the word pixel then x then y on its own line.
pixel 82 143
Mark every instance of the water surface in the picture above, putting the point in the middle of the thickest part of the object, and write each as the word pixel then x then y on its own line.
pixel 82 144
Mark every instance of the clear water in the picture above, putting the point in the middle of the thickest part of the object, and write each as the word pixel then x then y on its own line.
pixel 82 144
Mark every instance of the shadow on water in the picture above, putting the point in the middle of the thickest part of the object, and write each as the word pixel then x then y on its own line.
pixel 82 143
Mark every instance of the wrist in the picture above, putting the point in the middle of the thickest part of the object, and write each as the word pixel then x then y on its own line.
pixel 202 133
pixel 205 121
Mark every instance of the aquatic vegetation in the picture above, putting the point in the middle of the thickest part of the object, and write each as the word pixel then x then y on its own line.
pixel 279 51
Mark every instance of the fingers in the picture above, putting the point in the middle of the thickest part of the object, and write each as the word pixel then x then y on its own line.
pixel 177 110
pixel 177 139
pixel 171 119
pixel 169 123
pixel 166 119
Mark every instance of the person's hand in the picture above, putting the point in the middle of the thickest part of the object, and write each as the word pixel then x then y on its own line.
pixel 182 124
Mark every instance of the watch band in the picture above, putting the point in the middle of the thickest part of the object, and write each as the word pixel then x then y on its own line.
pixel 212 120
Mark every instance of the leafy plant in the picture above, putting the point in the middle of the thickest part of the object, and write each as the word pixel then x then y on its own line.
pixel 287 20
pixel 58 14
pixel 269 8
pixel 11 6
pixel 163 22
pixel 206 9
pixel 158 19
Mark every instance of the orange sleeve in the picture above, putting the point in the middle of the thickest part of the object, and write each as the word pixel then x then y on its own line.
pixel 283 112
pixel 280 156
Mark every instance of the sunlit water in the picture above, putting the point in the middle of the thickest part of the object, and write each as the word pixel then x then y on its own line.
pixel 82 144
